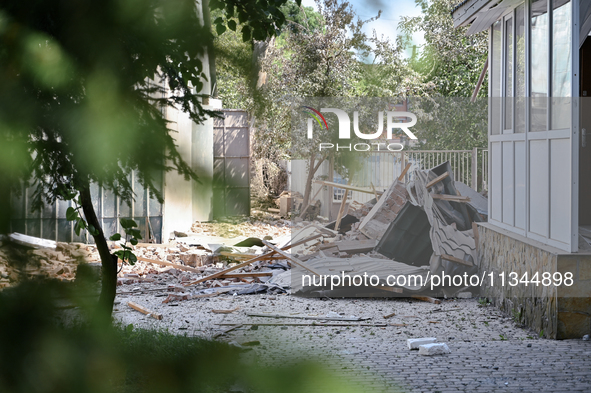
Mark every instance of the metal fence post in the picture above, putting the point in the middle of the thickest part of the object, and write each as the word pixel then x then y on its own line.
pixel 475 168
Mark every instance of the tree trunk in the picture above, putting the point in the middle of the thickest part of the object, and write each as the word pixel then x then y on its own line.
pixel 108 261
pixel 311 172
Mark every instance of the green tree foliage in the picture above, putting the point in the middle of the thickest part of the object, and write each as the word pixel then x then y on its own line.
pixel 325 61
pixel 447 69
pixel 83 87
pixel 449 60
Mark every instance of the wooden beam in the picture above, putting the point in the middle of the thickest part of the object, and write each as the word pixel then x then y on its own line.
pixel 437 180
pixel 144 310
pixel 259 258
pixel 175 265
pixel 480 80
pixel 456 260
pixel 451 198
pixel 426 299
pixel 374 191
pixel 317 324
pixel 406 168
pixel 291 258
pixel 346 187
pixel 344 319
pixel 243 275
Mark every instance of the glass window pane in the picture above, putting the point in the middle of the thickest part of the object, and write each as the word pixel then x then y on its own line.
pixel 539 65
pixel 508 74
pixel 495 73
pixel 561 64
pixel 520 69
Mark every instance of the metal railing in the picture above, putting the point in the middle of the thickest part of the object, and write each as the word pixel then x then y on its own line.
pixel 382 167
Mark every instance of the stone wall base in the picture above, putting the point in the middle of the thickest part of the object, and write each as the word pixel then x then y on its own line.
pixel 553 312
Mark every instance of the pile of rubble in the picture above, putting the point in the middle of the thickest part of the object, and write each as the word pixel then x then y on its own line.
pixel 418 228
pixel 42 259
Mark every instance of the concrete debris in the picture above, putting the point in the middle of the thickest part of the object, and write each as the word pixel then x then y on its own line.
pixel 414 343
pixel 434 349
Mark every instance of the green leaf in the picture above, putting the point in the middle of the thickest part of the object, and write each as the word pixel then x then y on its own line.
pixel 232 25
pixel 220 29
pixel 132 258
pixel 135 233
pixel 77 228
pixel 71 214
pixel 93 231
pixel 127 223
pixel 133 241
pixel 115 237
pixel 246 33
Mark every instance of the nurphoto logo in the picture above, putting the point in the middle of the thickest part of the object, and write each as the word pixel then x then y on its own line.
pixel 393 120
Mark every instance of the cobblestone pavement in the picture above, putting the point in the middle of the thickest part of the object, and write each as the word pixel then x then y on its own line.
pixel 488 351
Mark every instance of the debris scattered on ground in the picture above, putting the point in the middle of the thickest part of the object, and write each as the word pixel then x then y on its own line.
pixel 414 343
pixel 144 310
pixel 434 349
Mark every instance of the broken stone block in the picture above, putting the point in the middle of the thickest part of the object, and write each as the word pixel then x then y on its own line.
pixel 414 343
pixel 434 349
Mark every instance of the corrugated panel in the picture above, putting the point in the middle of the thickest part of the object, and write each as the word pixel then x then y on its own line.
pixel 358 266
pixel 231 167
pixel 51 223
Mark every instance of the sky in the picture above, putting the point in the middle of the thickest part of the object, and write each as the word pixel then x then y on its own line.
pixel 392 11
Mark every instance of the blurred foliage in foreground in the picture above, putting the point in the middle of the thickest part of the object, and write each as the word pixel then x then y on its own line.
pixel 46 350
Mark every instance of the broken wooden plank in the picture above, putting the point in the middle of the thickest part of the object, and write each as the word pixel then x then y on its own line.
pixel 456 260
pixel 243 275
pixel 175 265
pixel 389 315
pixel 291 258
pixel 228 330
pixel 346 187
pixel 426 299
pixel 272 210
pixel 259 258
pixel 317 324
pixel 451 198
pixel 437 180
pixel 346 319
pixel 144 310
pixel 403 173
pixel 230 311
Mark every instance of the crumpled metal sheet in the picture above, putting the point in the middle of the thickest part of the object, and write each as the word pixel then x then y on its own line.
pixel 445 238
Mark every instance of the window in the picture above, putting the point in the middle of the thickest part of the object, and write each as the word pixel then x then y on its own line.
pixel 539 65
pixel 561 64
pixel 508 74
pixel 520 69
pixel 497 45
